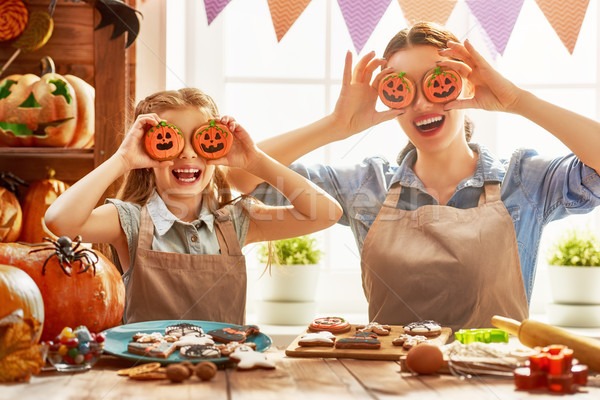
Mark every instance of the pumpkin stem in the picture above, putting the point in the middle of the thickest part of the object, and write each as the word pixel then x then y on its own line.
pixel 47 65
pixel 51 172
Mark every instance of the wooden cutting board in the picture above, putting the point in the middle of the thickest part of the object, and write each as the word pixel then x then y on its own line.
pixel 387 351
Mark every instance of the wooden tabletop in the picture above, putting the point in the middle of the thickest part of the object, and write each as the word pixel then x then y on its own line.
pixel 294 378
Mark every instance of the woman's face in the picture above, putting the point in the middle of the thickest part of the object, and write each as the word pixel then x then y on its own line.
pixel 189 174
pixel 427 125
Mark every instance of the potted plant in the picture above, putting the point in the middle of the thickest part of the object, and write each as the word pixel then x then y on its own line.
pixel 574 273
pixel 288 284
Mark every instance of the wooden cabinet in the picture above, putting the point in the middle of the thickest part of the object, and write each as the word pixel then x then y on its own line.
pixel 92 55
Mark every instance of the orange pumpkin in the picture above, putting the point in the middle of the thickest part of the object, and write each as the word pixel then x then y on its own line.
pixel 212 140
pixel 442 85
pixel 164 141
pixel 19 291
pixel 396 90
pixel 51 111
pixel 11 216
pixel 38 198
pixel 94 299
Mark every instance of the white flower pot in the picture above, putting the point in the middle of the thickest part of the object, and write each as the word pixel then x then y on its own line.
pixel 572 315
pixel 289 283
pixel 285 313
pixel 575 285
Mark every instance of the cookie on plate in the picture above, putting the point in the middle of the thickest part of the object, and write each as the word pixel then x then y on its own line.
pixel 332 324
pixel 360 340
pixel 200 351
pixel 234 333
pixel 321 338
pixel 156 350
pixel 183 329
pixel 191 340
pixel 228 348
pixel 426 328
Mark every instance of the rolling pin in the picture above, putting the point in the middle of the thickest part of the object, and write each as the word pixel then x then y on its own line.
pixel 534 333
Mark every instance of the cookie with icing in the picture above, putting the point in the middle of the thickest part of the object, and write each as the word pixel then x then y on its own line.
pixel 183 329
pixel 156 350
pixel 334 325
pixel 374 327
pixel 321 338
pixel 200 351
pixel 408 341
pixel 360 340
pixel 191 340
pixel 426 328
pixel 228 348
pixel 248 359
pixel 234 333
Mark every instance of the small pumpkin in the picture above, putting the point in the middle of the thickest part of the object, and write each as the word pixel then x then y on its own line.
pixel 396 90
pixel 51 110
pixel 94 298
pixel 11 216
pixel 164 141
pixel 212 140
pixel 19 291
pixel 38 198
pixel 442 85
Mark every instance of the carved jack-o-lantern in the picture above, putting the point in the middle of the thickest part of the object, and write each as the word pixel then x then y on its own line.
pixel 396 90
pixel 164 141
pixel 442 85
pixel 52 110
pixel 212 140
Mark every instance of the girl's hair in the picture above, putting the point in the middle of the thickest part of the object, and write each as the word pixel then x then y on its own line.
pixel 423 33
pixel 139 183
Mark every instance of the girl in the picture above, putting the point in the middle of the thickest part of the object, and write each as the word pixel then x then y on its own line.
pixel 452 233
pixel 176 231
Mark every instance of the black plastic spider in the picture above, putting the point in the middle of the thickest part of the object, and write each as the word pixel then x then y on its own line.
pixel 64 250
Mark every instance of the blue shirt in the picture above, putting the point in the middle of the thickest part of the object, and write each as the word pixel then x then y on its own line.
pixel 534 189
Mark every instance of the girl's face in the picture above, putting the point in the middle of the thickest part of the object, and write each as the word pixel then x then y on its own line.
pixel 189 174
pixel 427 125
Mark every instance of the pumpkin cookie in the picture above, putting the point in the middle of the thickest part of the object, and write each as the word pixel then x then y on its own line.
pixel 332 324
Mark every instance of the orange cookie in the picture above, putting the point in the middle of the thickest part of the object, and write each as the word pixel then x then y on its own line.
pixel 212 140
pixel 396 90
pixel 331 324
pixel 442 85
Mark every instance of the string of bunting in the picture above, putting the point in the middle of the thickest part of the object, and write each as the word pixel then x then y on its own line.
pixel 495 18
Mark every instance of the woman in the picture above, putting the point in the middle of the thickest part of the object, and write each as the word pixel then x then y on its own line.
pixel 452 234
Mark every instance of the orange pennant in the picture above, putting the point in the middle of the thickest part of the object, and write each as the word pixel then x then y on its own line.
pixel 566 17
pixel 284 13
pixel 431 10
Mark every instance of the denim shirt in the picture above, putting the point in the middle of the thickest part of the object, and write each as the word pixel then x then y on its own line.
pixel 534 189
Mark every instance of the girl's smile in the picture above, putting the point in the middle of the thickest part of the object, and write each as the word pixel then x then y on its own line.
pixel 186 175
pixel 429 124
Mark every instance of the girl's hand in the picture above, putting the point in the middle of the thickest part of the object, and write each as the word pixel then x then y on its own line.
pixel 243 152
pixel 132 149
pixel 355 109
pixel 492 91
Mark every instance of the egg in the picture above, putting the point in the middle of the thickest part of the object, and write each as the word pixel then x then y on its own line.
pixel 424 359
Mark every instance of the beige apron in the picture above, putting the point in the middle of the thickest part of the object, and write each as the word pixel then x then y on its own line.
pixel 457 267
pixel 166 286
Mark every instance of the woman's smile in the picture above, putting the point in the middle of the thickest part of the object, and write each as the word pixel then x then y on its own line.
pixel 430 124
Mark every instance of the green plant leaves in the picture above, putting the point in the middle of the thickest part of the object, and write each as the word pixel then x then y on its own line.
pixel 293 251
pixel 577 249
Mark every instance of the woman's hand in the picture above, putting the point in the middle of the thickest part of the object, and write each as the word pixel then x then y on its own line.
pixel 355 109
pixel 243 152
pixel 492 91
pixel 132 149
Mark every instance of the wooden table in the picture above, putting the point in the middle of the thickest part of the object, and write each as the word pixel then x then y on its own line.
pixel 294 378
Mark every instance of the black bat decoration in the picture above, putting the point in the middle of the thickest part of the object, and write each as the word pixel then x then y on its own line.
pixel 114 12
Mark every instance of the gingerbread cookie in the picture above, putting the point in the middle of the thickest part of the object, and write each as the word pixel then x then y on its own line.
pixel 183 329
pixel 153 337
pixel 234 333
pixel 321 338
pixel 191 340
pixel 248 359
pixel 381 330
pixel 360 340
pixel 408 341
pixel 156 350
pixel 227 349
pixel 200 351
pixel 331 324
pixel 426 328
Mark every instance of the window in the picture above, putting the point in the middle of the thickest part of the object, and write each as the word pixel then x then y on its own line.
pixel 274 87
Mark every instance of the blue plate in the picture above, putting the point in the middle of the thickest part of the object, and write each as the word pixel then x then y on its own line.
pixel 118 337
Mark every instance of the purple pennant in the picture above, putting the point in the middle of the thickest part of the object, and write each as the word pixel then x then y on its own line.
pixel 361 17
pixel 497 18
pixel 213 8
